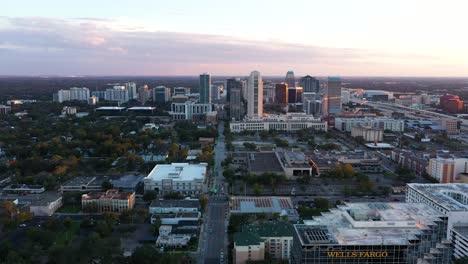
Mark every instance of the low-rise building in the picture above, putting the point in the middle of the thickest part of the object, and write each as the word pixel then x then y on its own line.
pixel 369 134
pixel 46 205
pixel 288 122
pixel 267 204
pixel 323 161
pixel 292 163
pixel 82 184
pixel 174 206
pixel 5 109
pixel 415 161
pixel 248 247
pixel 173 241
pixel 109 201
pixel 183 178
pixel 190 110
pixel 24 189
pixel 346 124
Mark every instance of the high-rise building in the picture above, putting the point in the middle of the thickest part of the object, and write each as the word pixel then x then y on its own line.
pixel 268 92
pixel 445 170
pixel 345 96
pixel 295 95
pixel 131 90
pixel 290 79
pixel 236 100
pixel 281 93
pixel 162 94
pixel 205 88
pixel 180 91
pixel 310 84
pixel 117 94
pixel 333 95
pixel 215 92
pixel 255 95
pixel 143 94
pixel 74 94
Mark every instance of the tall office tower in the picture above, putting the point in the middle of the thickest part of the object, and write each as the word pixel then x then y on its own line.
pixel 310 84
pixel 205 88
pixel 143 94
pixel 230 83
pixel 131 90
pixel 162 94
pixel 281 90
pixel 294 95
pixel 236 101
pixel 255 95
pixel 290 79
pixel 215 92
pixel 333 94
pixel 268 92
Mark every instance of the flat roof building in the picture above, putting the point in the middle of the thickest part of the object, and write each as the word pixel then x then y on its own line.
pixel 183 178
pixel 288 122
pixel 110 201
pixel 373 233
pixel 449 199
pixel 267 204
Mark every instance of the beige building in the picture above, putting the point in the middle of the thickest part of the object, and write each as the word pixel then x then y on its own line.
pixel 452 125
pixel 273 238
pixel 109 201
pixel 247 247
pixel 368 133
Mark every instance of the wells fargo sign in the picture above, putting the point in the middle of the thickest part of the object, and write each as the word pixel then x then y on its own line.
pixel 357 254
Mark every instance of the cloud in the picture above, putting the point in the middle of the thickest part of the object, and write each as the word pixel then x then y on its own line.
pixel 37 45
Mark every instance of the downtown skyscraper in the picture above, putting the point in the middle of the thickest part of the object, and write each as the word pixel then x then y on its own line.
pixel 310 84
pixel 290 79
pixel 236 99
pixel 333 95
pixel 205 88
pixel 255 95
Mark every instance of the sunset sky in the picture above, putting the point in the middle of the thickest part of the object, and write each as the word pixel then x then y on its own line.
pixel 186 37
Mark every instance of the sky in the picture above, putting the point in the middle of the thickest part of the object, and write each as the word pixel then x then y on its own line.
pixel 187 37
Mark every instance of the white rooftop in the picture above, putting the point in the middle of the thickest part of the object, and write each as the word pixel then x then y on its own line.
pixel 110 108
pixel 451 196
pixel 141 108
pixel 376 223
pixel 178 172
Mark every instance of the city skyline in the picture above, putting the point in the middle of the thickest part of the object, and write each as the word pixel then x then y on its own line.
pixel 362 38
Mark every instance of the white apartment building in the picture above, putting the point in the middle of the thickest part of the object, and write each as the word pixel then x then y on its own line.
pixel 73 94
pixel 346 124
pixel 116 94
pixel 183 178
pixel 288 122
pixel 190 110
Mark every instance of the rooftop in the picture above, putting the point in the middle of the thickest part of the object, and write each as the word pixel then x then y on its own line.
pixel 141 108
pixel 176 203
pixel 178 172
pixel 369 224
pixel 451 196
pixel 110 108
pixel 269 229
pixel 246 239
pixel 267 204
pixel 108 195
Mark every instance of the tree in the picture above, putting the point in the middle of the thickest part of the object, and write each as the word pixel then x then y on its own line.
pixel 156 226
pixel 257 189
pixel 150 195
pixel 9 208
pixel 348 171
pixel 321 203
pixel 106 185
pixel 203 203
pixel 110 218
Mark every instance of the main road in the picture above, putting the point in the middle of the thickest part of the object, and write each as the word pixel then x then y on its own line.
pixel 213 238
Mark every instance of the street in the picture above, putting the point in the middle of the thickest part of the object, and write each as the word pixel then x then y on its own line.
pixel 213 239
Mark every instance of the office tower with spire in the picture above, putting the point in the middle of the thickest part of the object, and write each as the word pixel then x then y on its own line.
pixel 205 88
pixel 310 84
pixel 255 95
pixel 333 95
pixel 290 79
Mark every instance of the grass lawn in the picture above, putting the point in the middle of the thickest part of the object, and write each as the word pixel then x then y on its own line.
pixel 69 209
pixel 64 238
